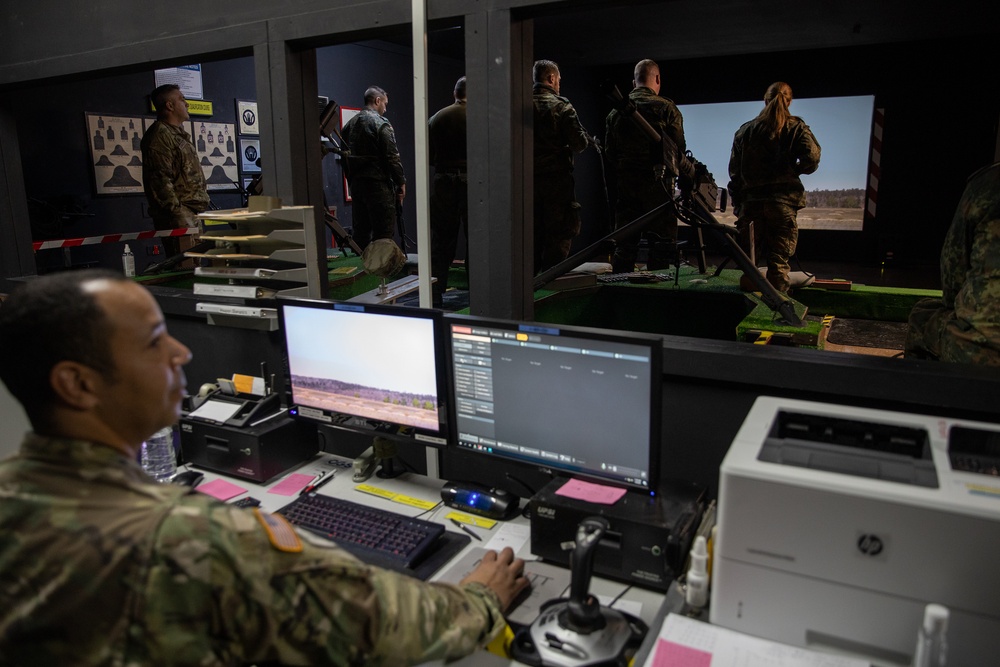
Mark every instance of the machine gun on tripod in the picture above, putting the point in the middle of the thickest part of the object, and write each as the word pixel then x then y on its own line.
pixel 695 206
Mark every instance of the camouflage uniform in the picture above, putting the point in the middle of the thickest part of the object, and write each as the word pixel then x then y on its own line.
pixel 635 160
pixel 449 207
pixel 767 191
pixel 964 325
pixel 172 179
pixel 376 174
pixel 558 134
pixel 101 566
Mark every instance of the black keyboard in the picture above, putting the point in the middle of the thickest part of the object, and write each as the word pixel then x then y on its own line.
pixel 378 537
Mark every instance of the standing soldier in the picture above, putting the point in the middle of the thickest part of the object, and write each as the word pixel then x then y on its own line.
pixel 769 153
pixel 449 207
pixel 171 174
pixel 642 168
pixel 376 171
pixel 558 135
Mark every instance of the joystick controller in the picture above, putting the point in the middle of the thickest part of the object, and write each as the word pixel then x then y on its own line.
pixel 578 631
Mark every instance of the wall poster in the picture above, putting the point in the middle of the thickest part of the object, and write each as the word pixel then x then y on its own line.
pixel 216 147
pixel 246 112
pixel 115 153
pixel 249 154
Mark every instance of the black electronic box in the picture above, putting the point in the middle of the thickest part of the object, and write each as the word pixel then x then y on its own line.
pixel 647 542
pixel 255 453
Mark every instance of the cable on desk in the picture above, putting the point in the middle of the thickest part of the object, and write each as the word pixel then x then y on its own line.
pixel 619 596
pixel 430 510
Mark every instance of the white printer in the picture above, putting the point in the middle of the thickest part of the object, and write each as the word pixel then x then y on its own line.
pixel 837 525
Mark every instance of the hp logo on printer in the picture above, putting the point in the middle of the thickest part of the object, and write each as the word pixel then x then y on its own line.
pixel 870 545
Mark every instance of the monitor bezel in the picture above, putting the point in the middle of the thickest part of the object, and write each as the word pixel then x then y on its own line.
pixel 348 422
pixel 652 342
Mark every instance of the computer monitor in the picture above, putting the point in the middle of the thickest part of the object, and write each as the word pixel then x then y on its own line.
pixel 574 401
pixel 366 368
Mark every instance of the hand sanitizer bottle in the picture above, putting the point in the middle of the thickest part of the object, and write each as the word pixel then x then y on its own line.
pixel 932 645
pixel 128 262
pixel 696 594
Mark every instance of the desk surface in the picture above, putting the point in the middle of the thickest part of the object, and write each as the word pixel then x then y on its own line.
pixel 643 603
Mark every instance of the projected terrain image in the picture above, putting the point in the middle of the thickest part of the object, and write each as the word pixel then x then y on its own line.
pixel 842 209
pixel 835 193
pixel 417 410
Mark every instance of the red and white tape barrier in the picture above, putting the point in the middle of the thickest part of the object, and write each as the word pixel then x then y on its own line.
pixel 112 238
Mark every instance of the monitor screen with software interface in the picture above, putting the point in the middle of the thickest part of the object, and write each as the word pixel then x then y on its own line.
pixel 575 401
pixel 365 368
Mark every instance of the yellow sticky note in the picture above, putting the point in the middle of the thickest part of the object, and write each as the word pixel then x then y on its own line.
pixel 501 643
pixel 477 521
pixel 344 270
pixel 244 383
pixel 414 502
pixel 375 491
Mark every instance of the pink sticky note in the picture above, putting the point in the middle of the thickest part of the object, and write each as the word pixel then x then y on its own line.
pixel 221 489
pixel 669 654
pixel 592 493
pixel 291 484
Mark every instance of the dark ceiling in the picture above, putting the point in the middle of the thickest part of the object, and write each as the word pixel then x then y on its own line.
pixel 589 34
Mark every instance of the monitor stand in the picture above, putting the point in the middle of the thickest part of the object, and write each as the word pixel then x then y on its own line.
pixel 385 454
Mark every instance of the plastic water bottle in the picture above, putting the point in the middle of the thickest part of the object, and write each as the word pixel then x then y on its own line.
pixel 159 459
pixel 128 262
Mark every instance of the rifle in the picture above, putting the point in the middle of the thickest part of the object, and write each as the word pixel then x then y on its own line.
pixel 332 142
pixel 404 240
pixel 609 219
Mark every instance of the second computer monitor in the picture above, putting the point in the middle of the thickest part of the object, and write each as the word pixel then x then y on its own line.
pixel 576 401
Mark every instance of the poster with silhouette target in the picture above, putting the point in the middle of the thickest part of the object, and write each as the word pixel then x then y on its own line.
pixel 217 152
pixel 115 153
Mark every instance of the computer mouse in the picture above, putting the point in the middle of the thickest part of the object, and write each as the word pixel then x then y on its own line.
pixel 188 478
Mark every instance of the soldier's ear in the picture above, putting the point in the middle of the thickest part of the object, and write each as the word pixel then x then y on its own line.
pixel 74 383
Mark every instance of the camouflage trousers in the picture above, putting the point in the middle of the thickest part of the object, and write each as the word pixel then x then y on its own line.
pixel 373 210
pixel 557 218
pixel 776 235
pixel 638 194
pixel 174 245
pixel 936 333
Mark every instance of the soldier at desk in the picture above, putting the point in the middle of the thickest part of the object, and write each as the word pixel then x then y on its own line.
pixel 102 566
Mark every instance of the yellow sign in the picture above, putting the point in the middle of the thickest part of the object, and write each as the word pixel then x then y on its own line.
pixel 195 107
pixel 199 107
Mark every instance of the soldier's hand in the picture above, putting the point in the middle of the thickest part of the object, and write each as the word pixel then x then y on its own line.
pixel 501 572
pixel 401 193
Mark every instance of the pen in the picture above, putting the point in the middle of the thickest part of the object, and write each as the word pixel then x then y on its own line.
pixel 466 529
pixel 320 481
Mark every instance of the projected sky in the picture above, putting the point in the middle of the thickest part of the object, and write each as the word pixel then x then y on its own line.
pixel 842 126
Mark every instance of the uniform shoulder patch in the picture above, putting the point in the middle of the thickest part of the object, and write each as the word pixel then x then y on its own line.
pixel 281 534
